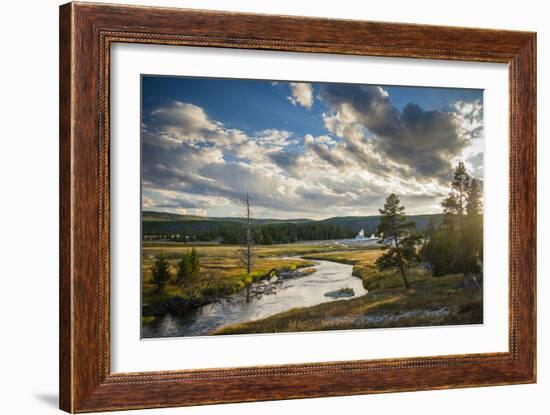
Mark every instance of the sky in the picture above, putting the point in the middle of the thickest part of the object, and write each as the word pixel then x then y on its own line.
pixel 303 149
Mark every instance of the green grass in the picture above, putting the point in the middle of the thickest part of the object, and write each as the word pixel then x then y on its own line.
pixel 388 303
pixel 365 268
pixel 431 301
pixel 230 276
pixel 227 251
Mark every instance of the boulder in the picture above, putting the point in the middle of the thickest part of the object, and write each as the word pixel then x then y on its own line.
pixel 341 293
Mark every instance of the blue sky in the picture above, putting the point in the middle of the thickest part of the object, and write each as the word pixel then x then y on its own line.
pixel 262 105
pixel 300 148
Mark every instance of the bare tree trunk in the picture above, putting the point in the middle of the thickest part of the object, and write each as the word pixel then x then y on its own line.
pixel 247 252
pixel 249 238
pixel 401 267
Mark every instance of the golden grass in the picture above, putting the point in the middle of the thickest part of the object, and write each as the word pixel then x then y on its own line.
pixel 228 251
pixel 429 301
pixel 434 301
pixel 388 303
pixel 222 260
pixel 364 256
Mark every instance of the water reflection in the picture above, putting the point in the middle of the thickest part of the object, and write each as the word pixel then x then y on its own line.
pixel 296 292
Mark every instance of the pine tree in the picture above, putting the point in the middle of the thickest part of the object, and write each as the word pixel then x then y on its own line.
pixel 160 272
pixel 474 199
pixel 188 275
pixel 473 231
pixel 460 186
pixel 458 244
pixel 397 230
pixel 184 269
pixel 194 261
pixel 438 251
pixel 459 194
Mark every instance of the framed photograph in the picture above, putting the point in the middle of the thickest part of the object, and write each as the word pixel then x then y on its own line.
pixel 260 207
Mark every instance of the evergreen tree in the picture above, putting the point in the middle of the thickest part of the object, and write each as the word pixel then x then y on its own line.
pixel 474 199
pixel 194 262
pixel 397 231
pixel 440 248
pixel 160 272
pixel 438 251
pixel 457 246
pixel 188 275
pixel 450 210
pixel 459 189
pixel 184 269
pixel 459 194
pixel 473 231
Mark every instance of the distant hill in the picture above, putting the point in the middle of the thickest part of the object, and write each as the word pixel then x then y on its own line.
pixel 151 216
pixel 261 221
pixel 210 228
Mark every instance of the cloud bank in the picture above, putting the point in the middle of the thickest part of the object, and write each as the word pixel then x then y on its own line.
pixel 198 165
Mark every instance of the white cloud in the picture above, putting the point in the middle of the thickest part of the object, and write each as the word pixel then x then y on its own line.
pixel 274 138
pixel 183 118
pixel 197 165
pixel 301 93
pixel 469 115
pixel 183 121
pixel 413 141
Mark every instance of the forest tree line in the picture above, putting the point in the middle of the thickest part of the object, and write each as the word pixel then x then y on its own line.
pixel 264 234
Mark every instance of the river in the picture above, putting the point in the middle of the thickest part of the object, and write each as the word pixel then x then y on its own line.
pixel 295 292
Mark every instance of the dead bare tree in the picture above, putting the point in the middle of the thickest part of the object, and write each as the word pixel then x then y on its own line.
pixel 247 252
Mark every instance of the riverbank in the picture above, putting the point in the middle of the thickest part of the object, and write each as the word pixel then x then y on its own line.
pixel 428 302
pixel 265 298
pixel 221 274
pixel 219 308
pixel 364 267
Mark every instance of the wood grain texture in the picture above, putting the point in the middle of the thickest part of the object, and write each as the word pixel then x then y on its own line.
pixel 86 33
pixel 65 247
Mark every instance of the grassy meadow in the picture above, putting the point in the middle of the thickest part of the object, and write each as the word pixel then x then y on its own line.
pixel 428 301
pixel 221 261
pixel 432 302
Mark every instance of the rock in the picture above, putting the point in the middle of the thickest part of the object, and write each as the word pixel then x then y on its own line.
pixel 341 293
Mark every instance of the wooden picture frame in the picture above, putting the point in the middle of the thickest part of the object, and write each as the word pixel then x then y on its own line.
pixel 86 33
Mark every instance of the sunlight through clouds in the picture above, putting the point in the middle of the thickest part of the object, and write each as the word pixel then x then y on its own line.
pixel 201 152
